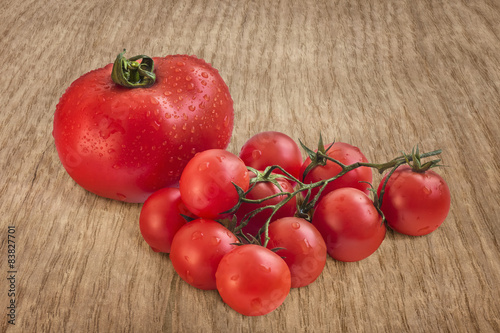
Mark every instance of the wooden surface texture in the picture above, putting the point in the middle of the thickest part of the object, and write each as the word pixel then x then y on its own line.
pixel 381 75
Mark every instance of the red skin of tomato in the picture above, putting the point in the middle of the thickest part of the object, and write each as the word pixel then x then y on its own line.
pixel 415 203
pixel 272 148
pixel 197 249
pixel 253 280
pixel 161 218
pixel 206 183
pixel 346 154
pixel 125 144
pixel 350 224
pixel 304 249
pixel 263 190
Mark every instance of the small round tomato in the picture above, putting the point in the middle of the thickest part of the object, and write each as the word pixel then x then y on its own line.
pixel 415 203
pixel 345 154
pixel 253 280
pixel 263 190
pixel 197 249
pixel 206 183
pixel 349 223
pixel 272 148
pixel 161 218
pixel 302 248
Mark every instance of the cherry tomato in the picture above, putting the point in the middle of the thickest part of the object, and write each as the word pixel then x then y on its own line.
pixel 349 223
pixel 124 143
pixel 262 190
pixel 161 218
pixel 206 183
pixel 272 148
pixel 303 248
pixel 415 203
pixel 253 280
pixel 197 249
pixel 346 154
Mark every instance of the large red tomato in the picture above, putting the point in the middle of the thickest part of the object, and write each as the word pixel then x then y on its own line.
pixel 126 143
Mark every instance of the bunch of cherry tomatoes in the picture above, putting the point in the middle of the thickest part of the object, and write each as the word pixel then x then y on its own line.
pixel 256 225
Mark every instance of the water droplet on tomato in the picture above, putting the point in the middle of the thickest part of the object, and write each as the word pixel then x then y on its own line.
pixel 203 166
pixel 192 108
pixel 121 196
pixel 197 235
pixel 203 82
pixel 156 125
pixel 204 74
pixel 295 225
pixel 189 277
pixel 426 190
pixel 256 303
pixel 305 246
pixel 180 147
pixel 167 93
pixel 235 277
pixel 265 268
pixel 256 154
pixel 202 105
pixel 206 97
pixel 215 240
pixel 184 126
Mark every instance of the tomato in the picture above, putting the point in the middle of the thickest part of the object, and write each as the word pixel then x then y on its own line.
pixel 197 249
pixel 262 190
pixel 346 154
pixel 161 217
pixel 303 248
pixel 124 143
pixel 349 223
pixel 253 280
pixel 206 183
pixel 272 148
pixel 415 203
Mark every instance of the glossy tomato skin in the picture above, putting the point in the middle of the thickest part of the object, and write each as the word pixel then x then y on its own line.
pixel 161 218
pixel 415 203
pixel 303 248
pixel 125 144
pixel 262 190
pixel 346 154
pixel 272 148
pixel 253 280
pixel 206 183
pixel 350 224
pixel 197 249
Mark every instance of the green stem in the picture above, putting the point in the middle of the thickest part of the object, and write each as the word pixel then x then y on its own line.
pixel 133 74
pixel 302 187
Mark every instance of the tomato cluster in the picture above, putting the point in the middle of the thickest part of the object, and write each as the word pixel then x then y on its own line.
pixel 256 225
pixel 251 226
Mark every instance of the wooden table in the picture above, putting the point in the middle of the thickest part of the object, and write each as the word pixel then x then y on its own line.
pixel 381 75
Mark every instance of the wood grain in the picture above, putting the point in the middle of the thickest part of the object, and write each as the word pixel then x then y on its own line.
pixel 382 75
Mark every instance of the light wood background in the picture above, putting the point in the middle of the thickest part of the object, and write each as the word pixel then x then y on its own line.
pixel 382 75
